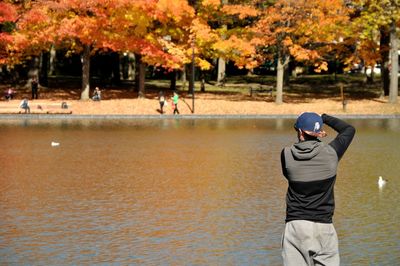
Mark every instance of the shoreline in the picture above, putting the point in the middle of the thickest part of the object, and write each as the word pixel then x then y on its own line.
pixel 5 117
pixel 206 107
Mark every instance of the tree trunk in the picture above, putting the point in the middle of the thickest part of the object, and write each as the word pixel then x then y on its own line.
pixel 394 58
pixel 191 77
pixel 137 74
pixel 142 79
pixel 221 71
pixel 85 73
pixel 173 80
pixel 140 76
pixel 44 66
pixel 34 67
pixel 286 75
pixel 183 78
pixel 131 66
pixel 283 60
pixel 116 68
pixel 52 70
pixel 384 52
pixel 202 82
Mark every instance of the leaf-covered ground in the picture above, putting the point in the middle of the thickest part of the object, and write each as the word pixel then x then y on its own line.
pixel 125 101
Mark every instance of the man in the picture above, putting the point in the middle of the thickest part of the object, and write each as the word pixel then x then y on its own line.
pixel 161 100
pixel 96 94
pixel 25 105
pixel 310 168
pixel 175 100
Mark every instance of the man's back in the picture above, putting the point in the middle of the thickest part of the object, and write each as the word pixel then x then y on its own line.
pixel 311 176
pixel 310 167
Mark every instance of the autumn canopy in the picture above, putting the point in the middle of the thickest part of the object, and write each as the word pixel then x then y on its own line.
pixel 172 33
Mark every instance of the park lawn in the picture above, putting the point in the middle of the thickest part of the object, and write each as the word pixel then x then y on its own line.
pixel 321 94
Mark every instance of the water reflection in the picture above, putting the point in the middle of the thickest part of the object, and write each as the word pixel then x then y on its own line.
pixel 170 191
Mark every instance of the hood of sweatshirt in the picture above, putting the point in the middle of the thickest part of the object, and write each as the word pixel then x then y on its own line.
pixel 306 150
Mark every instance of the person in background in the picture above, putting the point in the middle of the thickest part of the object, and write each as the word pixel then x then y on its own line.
pixel 25 105
pixel 9 94
pixel 96 94
pixel 161 99
pixel 35 87
pixel 310 168
pixel 175 100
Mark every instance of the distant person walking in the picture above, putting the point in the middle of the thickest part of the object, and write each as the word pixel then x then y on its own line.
pixel 96 94
pixel 310 168
pixel 35 87
pixel 175 100
pixel 161 99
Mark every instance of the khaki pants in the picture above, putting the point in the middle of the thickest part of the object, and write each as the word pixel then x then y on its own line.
pixel 310 243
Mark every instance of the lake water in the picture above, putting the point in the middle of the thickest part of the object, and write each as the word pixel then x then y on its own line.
pixel 181 192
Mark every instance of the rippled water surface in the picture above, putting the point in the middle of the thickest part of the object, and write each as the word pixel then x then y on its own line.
pixel 181 192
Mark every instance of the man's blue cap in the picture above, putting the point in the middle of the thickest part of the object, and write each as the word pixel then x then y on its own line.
pixel 308 121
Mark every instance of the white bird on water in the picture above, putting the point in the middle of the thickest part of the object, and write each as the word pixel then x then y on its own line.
pixel 381 182
pixel 54 144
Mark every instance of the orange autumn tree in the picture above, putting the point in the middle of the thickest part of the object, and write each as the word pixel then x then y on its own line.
pixel 234 34
pixel 85 27
pixel 220 31
pixel 200 30
pixel 207 30
pixel 140 27
pixel 8 17
pixel 93 25
pixel 22 49
pixel 171 31
pixel 69 24
pixel 300 29
pixel 170 35
pixel 216 30
pixel 33 34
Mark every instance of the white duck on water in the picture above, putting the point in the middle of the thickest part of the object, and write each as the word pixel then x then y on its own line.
pixel 381 182
pixel 54 144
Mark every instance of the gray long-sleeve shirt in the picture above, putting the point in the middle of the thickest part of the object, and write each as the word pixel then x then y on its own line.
pixel 310 167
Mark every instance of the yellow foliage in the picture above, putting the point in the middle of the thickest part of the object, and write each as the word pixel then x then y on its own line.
pixel 177 10
pixel 287 41
pixel 321 66
pixel 241 10
pixel 203 64
pixel 211 3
